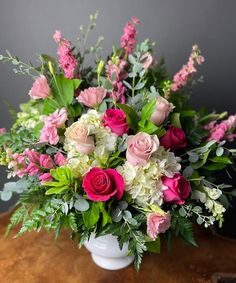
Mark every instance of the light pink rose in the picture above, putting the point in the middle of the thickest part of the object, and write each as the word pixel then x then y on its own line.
pixel 45 177
pixel 157 223
pixel 32 155
pixel 32 169
pixel 79 134
pixel 140 148
pixel 49 134
pixel 40 88
pixel 2 131
pixel 60 159
pixel 56 119
pixel 146 60
pixel 92 97
pixel 46 161
pixel 163 109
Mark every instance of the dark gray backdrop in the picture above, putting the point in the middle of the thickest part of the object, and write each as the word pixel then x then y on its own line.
pixel 27 26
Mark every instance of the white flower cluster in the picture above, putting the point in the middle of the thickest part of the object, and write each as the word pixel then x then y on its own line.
pixel 209 197
pixel 143 182
pixel 105 143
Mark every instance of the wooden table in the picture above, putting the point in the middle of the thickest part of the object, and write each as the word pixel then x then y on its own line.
pixel 38 258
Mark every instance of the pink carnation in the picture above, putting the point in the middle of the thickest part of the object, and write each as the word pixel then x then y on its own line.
pixel 57 119
pixel 49 135
pixel 67 61
pixel 128 40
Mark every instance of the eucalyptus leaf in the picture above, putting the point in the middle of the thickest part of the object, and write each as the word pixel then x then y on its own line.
pixel 81 205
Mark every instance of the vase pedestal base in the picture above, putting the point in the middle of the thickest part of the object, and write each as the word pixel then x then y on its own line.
pixel 112 263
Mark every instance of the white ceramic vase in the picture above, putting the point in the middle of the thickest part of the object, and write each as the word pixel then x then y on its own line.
pixel 107 254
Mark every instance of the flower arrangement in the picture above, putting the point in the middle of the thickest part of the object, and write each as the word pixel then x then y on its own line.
pixel 116 148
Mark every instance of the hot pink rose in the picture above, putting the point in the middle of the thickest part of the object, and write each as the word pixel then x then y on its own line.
pixel 140 148
pixel 163 109
pixel 46 161
pixel 101 185
pixel 92 97
pixel 32 169
pixel 178 189
pixel 146 60
pixel 115 119
pixel 32 155
pixel 173 138
pixel 45 177
pixel 2 131
pixel 56 119
pixel 157 223
pixel 40 88
pixel 49 134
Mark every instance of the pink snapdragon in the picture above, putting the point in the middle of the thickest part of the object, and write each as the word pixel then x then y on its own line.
pixel 60 159
pixel 187 71
pixel 32 155
pixel 223 130
pixel 46 161
pixel 2 131
pixel 67 61
pixel 45 177
pixel 128 40
pixel 18 164
pixel 32 169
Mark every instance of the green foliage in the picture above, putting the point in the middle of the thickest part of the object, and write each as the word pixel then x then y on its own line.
pixel 91 216
pixel 154 246
pixel 64 181
pixel 132 117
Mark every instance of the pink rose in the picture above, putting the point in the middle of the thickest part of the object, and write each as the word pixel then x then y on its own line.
pixel 32 169
pixel 32 155
pixel 157 223
pixel 163 109
pixel 40 88
pixel 49 134
pixel 178 189
pixel 101 185
pixel 2 131
pixel 173 139
pixel 56 119
pixel 115 119
pixel 146 60
pixel 46 161
pixel 92 97
pixel 140 148
pixel 60 159
pixel 45 177
pixel 79 134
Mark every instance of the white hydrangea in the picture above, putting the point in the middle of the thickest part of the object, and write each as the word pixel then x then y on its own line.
pixel 92 119
pixel 143 182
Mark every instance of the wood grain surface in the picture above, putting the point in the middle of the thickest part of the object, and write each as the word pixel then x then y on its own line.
pixel 38 258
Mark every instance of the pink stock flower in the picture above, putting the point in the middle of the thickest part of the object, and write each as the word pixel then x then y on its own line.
pixel 178 189
pixel 157 223
pixel 46 161
pixel 187 71
pixel 118 93
pixel 117 70
pixel 147 60
pixel 2 131
pixel 66 59
pixel 40 88
pixel 56 119
pixel 45 177
pixel 32 155
pixel 128 40
pixel 92 96
pixel 18 164
pixel 32 169
pixel 101 185
pixel 49 134
pixel 140 148
pixel 162 111
pixel 60 159
pixel 115 119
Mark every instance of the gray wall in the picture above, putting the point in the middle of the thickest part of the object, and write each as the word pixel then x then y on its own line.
pixel 27 26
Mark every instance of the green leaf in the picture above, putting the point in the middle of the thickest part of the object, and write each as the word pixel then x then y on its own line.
pixel 175 119
pixel 91 216
pixel 81 204
pixel 221 159
pixel 214 166
pixel 154 246
pixel 147 127
pixel 49 106
pixel 56 190
pixel 132 117
pixel 148 109
pixel 202 161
